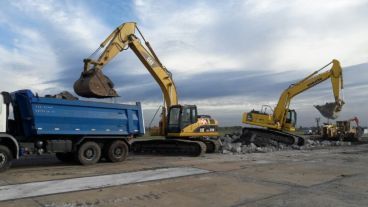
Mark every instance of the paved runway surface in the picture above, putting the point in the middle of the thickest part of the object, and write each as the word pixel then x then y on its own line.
pixel 334 176
pixel 32 189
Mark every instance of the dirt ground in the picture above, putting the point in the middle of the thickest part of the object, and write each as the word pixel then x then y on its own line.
pixel 333 176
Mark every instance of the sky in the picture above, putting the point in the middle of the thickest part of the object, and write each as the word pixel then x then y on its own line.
pixel 227 57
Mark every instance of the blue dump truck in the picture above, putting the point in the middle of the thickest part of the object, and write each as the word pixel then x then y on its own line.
pixel 84 131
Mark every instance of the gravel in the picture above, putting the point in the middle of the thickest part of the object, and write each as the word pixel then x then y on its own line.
pixel 231 145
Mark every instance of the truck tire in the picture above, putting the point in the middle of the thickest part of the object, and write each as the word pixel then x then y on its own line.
pixel 117 151
pixel 65 157
pixel 6 158
pixel 89 153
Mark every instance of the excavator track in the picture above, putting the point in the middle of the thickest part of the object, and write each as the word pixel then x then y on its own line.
pixel 169 147
pixel 262 137
pixel 212 145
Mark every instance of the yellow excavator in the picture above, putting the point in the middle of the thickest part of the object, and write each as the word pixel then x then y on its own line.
pixel 185 131
pixel 263 126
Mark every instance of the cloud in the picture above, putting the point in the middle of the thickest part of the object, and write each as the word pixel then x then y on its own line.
pixel 243 35
pixel 226 57
pixel 49 40
pixel 19 64
pixel 226 96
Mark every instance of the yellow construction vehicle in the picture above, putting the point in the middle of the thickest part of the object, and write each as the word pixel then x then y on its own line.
pixel 276 126
pixel 343 130
pixel 184 129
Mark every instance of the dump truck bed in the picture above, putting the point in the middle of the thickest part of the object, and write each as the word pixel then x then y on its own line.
pixel 52 116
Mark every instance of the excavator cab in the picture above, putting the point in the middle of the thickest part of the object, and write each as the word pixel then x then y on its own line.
pixel 181 116
pixel 291 119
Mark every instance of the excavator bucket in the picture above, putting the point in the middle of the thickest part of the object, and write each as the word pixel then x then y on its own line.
pixel 329 110
pixel 94 84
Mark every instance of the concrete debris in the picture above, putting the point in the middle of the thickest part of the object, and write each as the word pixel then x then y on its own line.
pixel 236 147
pixel 231 145
pixel 63 95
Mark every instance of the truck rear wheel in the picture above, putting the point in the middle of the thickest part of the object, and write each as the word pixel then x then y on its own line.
pixel 117 151
pixel 6 158
pixel 89 153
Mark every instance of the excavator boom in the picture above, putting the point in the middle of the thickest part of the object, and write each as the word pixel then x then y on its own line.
pixel 94 84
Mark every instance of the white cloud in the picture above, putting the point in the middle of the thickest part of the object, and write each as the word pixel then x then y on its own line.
pixel 237 35
pixel 49 38
pixel 177 33
pixel 69 19
pixel 25 65
pixel 46 37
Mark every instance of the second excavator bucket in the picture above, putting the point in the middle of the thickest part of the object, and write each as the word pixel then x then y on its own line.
pixel 94 84
pixel 330 110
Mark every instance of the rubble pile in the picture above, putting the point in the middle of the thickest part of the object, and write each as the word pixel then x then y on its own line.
pixel 232 143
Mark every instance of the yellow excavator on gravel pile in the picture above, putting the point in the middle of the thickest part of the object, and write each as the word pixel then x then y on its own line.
pixel 263 126
pixel 185 131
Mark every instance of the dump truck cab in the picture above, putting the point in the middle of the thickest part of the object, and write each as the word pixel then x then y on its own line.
pixel 9 147
pixel 3 114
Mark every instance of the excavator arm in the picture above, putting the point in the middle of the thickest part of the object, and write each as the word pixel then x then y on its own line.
pixel 93 84
pixel 329 110
pixel 116 42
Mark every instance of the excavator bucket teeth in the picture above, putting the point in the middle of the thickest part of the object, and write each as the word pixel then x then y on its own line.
pixel 329 110
pixel 94 84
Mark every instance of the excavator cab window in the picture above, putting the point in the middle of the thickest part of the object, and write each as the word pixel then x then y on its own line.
pixel 180 117
pixel 188 116
pixel 185 117
pixel 194 115
pixel 291 117
pixel 174 119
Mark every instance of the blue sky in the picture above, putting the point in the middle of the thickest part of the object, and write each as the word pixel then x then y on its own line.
pixel 226 56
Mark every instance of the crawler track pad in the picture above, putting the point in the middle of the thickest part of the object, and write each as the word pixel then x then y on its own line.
pixel 169 147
